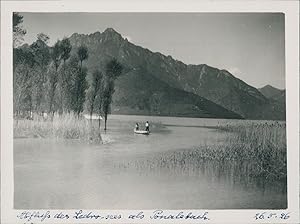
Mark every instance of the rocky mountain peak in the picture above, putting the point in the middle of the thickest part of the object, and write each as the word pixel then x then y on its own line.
pixel 110 30
pixel 111 33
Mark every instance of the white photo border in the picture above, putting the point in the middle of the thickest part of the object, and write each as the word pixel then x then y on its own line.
pixel 291 11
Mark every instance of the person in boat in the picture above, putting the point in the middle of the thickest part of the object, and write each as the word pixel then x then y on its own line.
pixel 147 126
pixel 136 126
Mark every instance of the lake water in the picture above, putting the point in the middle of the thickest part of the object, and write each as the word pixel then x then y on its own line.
pixel 123 174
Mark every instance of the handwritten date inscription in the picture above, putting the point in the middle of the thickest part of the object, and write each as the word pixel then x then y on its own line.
pixel 271 215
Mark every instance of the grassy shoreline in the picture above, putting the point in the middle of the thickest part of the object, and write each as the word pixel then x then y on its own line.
pixel 255 157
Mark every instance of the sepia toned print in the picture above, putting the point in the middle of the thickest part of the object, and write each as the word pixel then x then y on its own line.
pixel 142 111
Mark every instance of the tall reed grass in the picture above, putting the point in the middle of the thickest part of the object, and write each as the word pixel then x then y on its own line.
pixel 66 126
pixel 255 155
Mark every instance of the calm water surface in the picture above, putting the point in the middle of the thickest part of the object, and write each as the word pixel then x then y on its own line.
pixel 69 174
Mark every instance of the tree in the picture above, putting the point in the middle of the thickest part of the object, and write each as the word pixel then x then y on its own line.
pixel 18 30
pixel 82 53
pixel 81 86
pixel 70 89
pixel 56 54
pixel 94 101
pixel 43 37
pixel 76 86
pixel 65 48
pixel 22 79
pixel 80 81
pixel 113 70
pixel 53 75
pixel 94 93
pixel 41 52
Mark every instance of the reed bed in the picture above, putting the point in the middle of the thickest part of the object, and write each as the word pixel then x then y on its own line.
pixel 66 126
pixel 254 156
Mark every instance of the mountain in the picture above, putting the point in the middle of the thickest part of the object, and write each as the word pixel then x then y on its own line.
pixel 140 93
pixel 270 91
pixel 212 84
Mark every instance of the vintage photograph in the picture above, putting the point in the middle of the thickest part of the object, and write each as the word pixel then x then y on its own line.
pixel 152 110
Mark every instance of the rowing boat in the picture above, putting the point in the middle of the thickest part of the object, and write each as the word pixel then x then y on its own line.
pixel 141 132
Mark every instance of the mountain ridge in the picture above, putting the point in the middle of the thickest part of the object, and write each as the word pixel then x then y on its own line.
pixel 216 85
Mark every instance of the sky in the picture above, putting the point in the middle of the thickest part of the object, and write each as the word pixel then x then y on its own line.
pixel 249 45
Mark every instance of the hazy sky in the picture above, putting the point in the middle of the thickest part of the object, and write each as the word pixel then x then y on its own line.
pixel 249 45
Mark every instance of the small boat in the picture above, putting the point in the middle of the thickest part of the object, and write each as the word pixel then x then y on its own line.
pixel 141 132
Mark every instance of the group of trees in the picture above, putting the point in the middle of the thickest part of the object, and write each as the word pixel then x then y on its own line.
pixel 54 79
